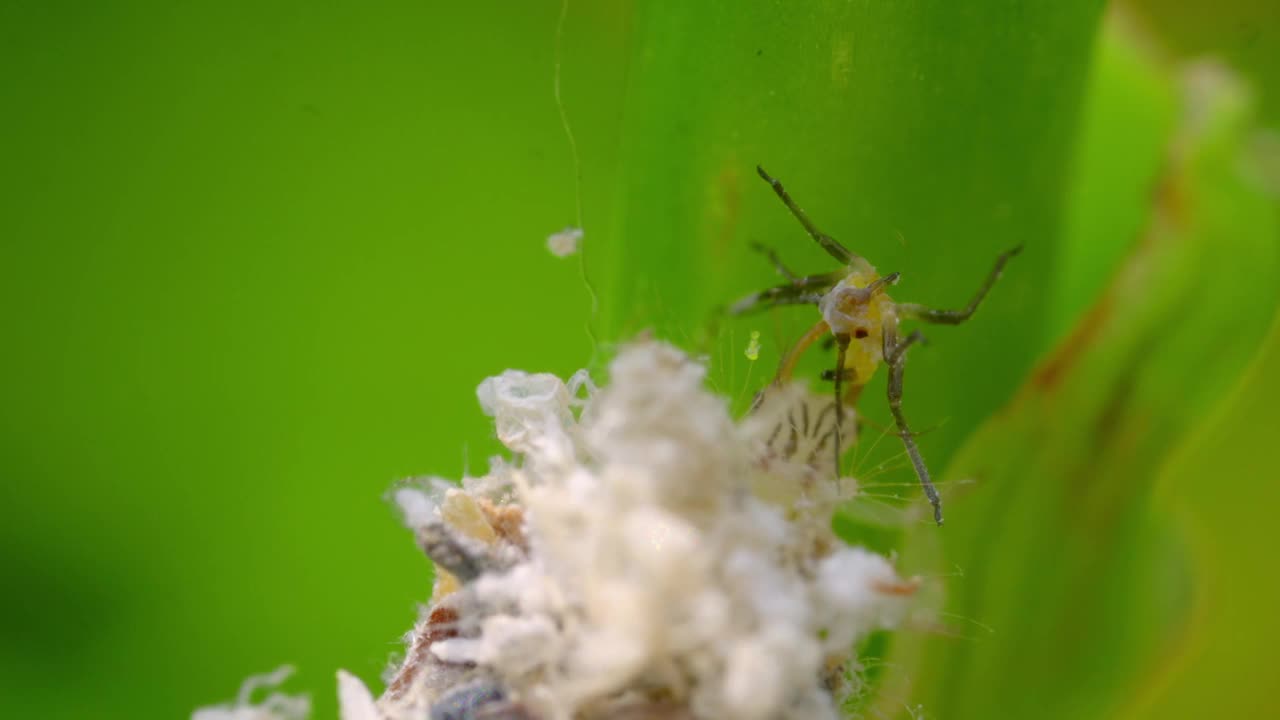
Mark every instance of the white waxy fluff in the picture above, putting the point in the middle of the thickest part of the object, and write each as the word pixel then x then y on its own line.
pixel 275 706
pixel 566 242
pixel 354 700
pixel 665 556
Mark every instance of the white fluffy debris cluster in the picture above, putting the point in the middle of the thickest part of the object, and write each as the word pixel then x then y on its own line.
pixel 566 242
pixel 643 556
pixel 275 706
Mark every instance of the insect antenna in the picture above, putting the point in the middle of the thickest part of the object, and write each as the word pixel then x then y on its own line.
pixel 828 243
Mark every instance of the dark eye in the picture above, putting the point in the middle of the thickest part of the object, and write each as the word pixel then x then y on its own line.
pixel 860 333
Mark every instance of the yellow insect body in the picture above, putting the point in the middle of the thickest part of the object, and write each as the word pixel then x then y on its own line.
pixel 858 308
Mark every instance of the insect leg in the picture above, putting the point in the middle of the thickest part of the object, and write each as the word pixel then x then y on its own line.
pixel 828 243
pixel 842 346
pixel 776 261
pixel 829 375
pixel 803 291
pixel 895 355
pixel 955 317
pixel 788 364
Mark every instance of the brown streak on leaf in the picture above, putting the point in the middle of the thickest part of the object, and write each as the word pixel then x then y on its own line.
pixel 1169 207
pixel 727 209
pixel 1052 371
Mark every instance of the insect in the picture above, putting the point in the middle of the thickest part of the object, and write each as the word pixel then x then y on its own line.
pixel 863 321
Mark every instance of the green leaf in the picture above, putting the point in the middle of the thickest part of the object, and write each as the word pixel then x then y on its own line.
pixel 1222 491
pixel 1073 576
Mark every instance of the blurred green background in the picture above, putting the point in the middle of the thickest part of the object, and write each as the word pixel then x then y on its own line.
pixel 256 257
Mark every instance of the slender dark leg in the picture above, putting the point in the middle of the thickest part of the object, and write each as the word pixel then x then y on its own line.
pixel 955 317
pixel 895 356
pixel 776 261
pixel 829 375
pixel 898 348
pixel 828 243
pixel 805 290
pixel 842 347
